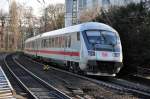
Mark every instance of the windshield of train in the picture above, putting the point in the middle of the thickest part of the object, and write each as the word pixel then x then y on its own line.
pixel 101 37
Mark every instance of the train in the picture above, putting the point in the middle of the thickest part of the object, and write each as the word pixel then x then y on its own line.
pixel 92 48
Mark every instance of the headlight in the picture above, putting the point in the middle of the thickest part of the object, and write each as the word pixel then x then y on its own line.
pixel 91 53
pixel 116 55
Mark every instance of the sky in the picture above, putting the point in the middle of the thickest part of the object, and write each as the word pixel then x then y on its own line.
pixel 37 5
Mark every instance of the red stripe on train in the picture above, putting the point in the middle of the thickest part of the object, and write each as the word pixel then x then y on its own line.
pixel 55 52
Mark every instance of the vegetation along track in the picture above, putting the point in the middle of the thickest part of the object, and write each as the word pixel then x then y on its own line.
pixel 36 87
pixel 70 77
pixel 137 79
pixel 130 85
pixel 142 76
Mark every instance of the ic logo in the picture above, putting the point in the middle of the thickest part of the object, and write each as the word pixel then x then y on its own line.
pixel 104 54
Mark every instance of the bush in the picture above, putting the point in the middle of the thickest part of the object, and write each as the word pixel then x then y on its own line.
pixel 133 24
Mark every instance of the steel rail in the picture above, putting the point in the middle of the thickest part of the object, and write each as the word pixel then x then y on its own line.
pixel 59 94
pixel 112 85
pixel 31 95
pixel 44 82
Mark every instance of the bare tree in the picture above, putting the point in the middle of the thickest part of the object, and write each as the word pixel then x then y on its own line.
pixel 89 14
pixel 53 17
pixel 14 33
pixel 25 24
pixel 29 21
pixel 2 27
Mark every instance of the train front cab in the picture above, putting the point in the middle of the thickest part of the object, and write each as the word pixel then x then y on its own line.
pixel 101 53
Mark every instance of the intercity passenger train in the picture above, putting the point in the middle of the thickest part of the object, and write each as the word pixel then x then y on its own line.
pixel 93 48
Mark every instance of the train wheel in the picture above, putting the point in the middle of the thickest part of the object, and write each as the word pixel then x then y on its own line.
pixel 76 68
pixel 69 66
pixel 71 69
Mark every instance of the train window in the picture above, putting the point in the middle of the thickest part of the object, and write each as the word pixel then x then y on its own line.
pixel 41 43
pixel 49 42
pixel 56 42
pixel 94 36
pixel 101 37
pixel 69 41
pixel 65 41
pixel 62 42
pixel 59 44
pixel 32 44
pixel 52 42
pixel 78 36
pixel 44 43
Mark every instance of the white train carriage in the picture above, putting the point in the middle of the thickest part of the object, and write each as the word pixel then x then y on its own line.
pixel 92 47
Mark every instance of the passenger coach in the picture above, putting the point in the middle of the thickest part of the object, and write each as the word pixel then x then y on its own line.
pixel 93 48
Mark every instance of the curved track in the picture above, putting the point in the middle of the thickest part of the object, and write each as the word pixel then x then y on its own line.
pixel 19 91
pixel 114 83
pixel 130 86
pixel 36 87
pixel 137 79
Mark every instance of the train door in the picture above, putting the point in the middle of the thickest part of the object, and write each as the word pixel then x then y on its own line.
pixel 75 47
pixel 67 48
pixel 36 47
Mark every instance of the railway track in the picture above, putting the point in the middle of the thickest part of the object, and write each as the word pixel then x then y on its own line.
pixel 113 83
pixel 6 90
pixel 20 93
pixel 138 79
pixel 36 87
pixel 142 76
pixel 130 86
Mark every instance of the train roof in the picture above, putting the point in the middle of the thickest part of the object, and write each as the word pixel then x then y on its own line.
pixel 75 28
